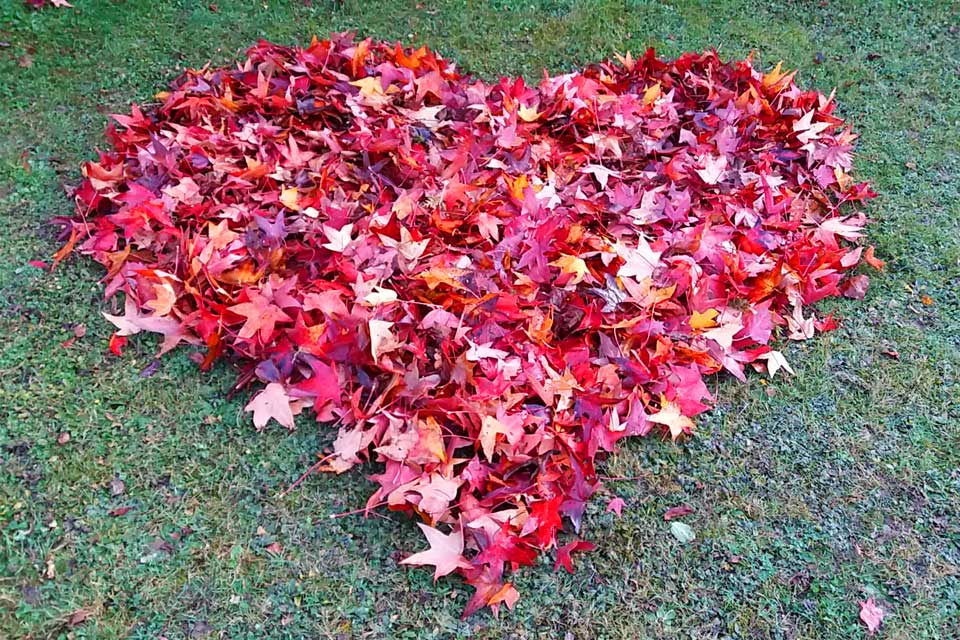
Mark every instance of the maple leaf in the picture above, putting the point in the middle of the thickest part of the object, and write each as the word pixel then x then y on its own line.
pixel 563 554
pixel 381 338
pixel 705 320
pixel 271 403
pixel 775 362
pixel 871 615
pixel 724 334
pixel 639 263
pixel 289 198
pixel 615 505
pixel 436 494
pixel 133 322
pixel 671 417
pixel 527 290
pixel 714 167
pixel 339 239
pixel 528 114
pixel 407 247
pixel 572 266
pixel 261 317
pixel 186 191
pixel 808 130
pixel 371 91
pixel 445 553
pixel 601 173
pixel 800 328
pixel 489 430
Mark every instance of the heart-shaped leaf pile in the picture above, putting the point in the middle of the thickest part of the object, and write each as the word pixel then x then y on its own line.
pixel 481 286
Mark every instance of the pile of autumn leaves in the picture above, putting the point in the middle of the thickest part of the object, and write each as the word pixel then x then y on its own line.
pixel 480 287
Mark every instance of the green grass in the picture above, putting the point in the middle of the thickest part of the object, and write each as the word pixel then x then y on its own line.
pixel 809 493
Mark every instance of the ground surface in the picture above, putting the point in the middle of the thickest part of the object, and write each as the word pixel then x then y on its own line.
pixel 808 494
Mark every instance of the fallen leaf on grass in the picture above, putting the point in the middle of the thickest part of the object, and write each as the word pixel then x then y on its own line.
pixel 151 369
pixel 445 552
pixel 78 617
pixel 564 558
pixel 483 297
pixel 775 362
pixel 157 550
pixel 682 532
pixel 677 512
pixel 117 343
pixel 78 332
pixel 271 403
pixel 616 505
pixel 871 614
pixel 117 487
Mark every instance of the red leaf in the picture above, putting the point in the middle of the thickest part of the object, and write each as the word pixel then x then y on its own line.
pixel 615 505
pixel 483 286
pixel 677 512
pixel 117 343
pixel 563 554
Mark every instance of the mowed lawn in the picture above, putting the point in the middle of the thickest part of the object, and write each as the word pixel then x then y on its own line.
pixel 159 516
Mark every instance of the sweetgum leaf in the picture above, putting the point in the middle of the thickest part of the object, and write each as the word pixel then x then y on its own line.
pixel 481 287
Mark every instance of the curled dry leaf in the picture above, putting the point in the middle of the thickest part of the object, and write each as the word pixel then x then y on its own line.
pixel 682 532
pixel 677 512
pixel 483 285
pixel 117 487
pixel 78 617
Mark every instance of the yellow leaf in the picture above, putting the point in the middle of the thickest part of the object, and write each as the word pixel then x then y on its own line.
pixel 651 94
pixel 369 86
pixel 671 417
pixel 288 197
pixel 705 320
pixel 770 79
pixel 442 275
pixel 528 114
pixel 431 439
pixel 626 60
pixel 517 186
pixel 572 265
pixel 777 78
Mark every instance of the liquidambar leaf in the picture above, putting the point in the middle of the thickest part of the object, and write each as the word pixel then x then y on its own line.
pixel 483 286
